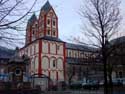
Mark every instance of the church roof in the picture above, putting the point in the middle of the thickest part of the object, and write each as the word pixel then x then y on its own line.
pixel 46 7
pixel 79 47
pixel 52 39
pixel 6 53
pixel 118 40
pixel 32 19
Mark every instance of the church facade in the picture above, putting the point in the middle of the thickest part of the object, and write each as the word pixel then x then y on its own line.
pixel 45 49
pixel 50 56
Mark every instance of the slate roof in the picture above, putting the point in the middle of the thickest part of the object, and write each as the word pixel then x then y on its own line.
pixel 32 19
pixel 16 59
pixel 6 53
pixel 81 61
pixel 46 7
pixel 118 40
pixel 52 38
pixel 79 47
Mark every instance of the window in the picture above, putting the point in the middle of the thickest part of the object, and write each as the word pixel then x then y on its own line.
pixel 120 74
pixel 35 25
pixel 48 32
pixel 33 32
pixel 54 23
pixel 54 32
pixel 48 21
pixel 54 63
pixel 75 54
pixel 18 72
pixel 69 54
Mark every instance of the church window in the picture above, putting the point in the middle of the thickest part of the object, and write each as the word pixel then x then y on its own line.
pixel 54 63
pixel 36 25
pixel 54 23
pixel 69 54
pixel 75 54
pixel 33 32
pixel 54 32
pixel 48 21
pixel 48 32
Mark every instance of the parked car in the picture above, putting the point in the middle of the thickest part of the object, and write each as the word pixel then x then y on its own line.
pixel 101 83
pixel 123 80
pixel 91 85
pixel 76 85
pixel 115 82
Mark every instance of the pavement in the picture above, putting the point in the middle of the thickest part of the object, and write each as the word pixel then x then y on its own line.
pixel 117 90
pixel 74 92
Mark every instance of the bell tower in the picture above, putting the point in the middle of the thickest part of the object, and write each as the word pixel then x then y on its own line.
pixel 48 21
pixel 31 29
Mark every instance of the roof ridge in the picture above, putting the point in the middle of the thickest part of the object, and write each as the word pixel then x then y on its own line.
pixel 46 7
pixel 32 18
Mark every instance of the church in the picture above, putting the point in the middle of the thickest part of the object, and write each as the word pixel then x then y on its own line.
pixel 43 46
pixel 55 58
pixel 48 54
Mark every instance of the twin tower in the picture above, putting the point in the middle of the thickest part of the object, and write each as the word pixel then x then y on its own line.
pixel 45 50
pixel 45 25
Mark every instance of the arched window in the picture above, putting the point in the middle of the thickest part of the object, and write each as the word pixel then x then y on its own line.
pixel 54 23
pixel 69 53
pixel 54 33
pixel 60 63
pixel 53 48
pixel 53 63
pixel 48 21
pixel 48 32
pixel 36 64
pixel 32 64
pixel 45 63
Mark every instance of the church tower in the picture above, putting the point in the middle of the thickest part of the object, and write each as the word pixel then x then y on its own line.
pixel 31 29
pixel 43 46
pixel 45 26
pixel 48 21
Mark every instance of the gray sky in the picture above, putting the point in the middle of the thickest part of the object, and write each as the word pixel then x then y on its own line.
pixel 69 19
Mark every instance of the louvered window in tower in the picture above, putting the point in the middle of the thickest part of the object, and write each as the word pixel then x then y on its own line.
pixel 48 32
pixel 48 21
pixel 54 32
pixel 54 23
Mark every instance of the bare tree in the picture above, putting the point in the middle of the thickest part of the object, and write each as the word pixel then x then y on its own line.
pixel 103 18
pixel 70 73
pixel 11 13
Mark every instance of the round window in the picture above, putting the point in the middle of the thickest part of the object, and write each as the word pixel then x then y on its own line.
pixel 18 71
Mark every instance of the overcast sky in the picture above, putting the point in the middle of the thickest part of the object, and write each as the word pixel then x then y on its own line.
pixel 69 19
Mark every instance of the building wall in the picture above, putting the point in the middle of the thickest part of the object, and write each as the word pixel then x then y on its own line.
pixel 53 59
pixel 32 51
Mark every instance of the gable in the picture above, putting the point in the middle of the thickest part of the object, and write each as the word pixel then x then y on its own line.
pixel 52 13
